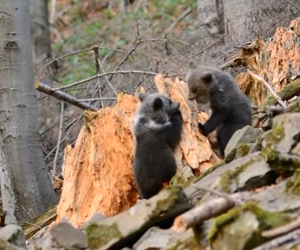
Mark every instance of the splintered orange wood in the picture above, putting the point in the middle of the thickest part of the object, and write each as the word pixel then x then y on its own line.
pixel 98 174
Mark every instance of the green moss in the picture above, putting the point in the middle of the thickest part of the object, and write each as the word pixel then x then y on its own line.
pixel 286 93
pixel 232 175
pixel 267 220
pixel 294 107
pixel 269 152
pixel 187 244
pixel 175 194
pixel 244 149
pixel 99 235
pixel 210 170
pixel 293 183
pixel 276 134
pixel 33 226
pixel 182 179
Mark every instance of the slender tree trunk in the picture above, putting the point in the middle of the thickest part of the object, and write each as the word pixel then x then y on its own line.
pixel 41 43
pixel 25 184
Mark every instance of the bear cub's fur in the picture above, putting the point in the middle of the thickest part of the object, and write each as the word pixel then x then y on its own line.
pixel 231 108
pixel 157 131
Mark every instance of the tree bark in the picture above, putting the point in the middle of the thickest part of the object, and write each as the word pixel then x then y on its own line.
pixel 247 19
pixel 25 185
pixel 41 42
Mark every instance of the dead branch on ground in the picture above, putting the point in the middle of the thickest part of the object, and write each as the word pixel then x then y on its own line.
pixel 293 237
pixel 260 79
pixel 275 232
pixel 206 211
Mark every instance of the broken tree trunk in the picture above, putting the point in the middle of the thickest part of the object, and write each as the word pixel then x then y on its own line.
pixel 97 170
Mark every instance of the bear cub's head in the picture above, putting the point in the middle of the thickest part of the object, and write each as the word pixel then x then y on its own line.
pixel 157 107
pixel 201 81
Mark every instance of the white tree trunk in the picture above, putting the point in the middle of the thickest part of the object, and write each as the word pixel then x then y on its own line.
pixel 25 185
pixel 41 44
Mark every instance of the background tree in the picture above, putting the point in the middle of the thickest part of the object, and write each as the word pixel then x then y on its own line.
pixel 25 184
pixel 224 23
pixel 41 43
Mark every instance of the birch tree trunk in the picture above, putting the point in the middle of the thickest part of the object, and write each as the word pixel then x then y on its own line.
pixel 25 185
pixel 41 41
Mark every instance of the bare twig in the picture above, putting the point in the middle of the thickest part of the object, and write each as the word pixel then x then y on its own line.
pixel 105 74
pixel 107 80
pixel 206 211
pixel 296 6
pixel 293 236
pixel 63 96
pixel 58 139
pixel 71 54
pixel 97 99
pixel 216 192
pixel 74 123
pixel 195 54
pixel 178 19
pixel 260 79
pixel 259 119
pixel 164 39
pixel 275 232
pixel 96 52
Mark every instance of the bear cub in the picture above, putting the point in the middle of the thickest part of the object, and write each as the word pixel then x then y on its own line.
pixel 157 131
pixel 231 108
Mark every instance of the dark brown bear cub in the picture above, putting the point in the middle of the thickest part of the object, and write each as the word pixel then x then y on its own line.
pixel 157 131
pixel 231 108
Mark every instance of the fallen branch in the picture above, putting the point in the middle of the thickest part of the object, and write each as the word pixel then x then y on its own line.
pixel 278 231
pixel 260 79
pixel 63 96
pixel 293 236
pixel 290 90
pixel 54 170
pixel 206 211
pixel 293 107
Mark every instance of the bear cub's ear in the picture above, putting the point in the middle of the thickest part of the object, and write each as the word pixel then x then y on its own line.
pixel 206 77
pixel 192 65
pixel 142 96
pixel 158 103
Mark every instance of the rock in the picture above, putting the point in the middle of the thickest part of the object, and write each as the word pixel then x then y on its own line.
pixel 154 238
pixel 4 245
pixel 186 240
pixel 267 124
pixel 241 174
pixel 280 197
pixel 183 176
pixel 114 232
pixel 242 139
pixel 235 235
pixel 68 236
pixel 13 234
pixel 281 137
pixel 97 217
pixel 296 150
pixel 44 243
